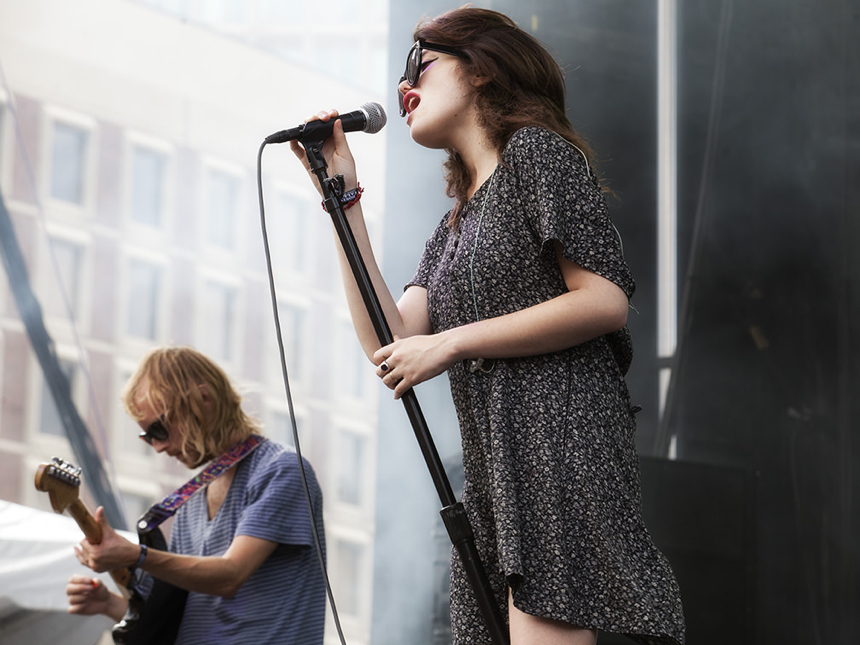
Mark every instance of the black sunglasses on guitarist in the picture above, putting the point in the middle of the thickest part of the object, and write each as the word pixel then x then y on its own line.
pixel 156 431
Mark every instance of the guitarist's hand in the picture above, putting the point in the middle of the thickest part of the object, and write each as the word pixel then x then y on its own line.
pixel 113 552
pixel 89 596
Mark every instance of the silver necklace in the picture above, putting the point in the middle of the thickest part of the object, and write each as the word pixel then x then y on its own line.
pixel 477 364
pixel 475 247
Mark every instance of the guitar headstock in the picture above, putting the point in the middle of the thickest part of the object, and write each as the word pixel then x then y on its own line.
pixel 61 480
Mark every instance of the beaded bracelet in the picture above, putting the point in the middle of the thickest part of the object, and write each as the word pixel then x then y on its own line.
pixel 350 198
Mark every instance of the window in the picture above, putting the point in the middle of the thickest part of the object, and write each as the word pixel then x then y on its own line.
pixel 222 203
pixel 177 7
pixel 378 70
pixel 281 429
pixel 218 311
pixel 144 290
pixel 69 258
pixel 353 368
pixel 128 439
pixel 148 172
pixel 352 458
pixel 49 417
pixel 3 111
pixel 275 11
pixel 339 58
pixel 224 11
pixel 294 331
pixel 68 162
pixel 289 235
pixel 350 565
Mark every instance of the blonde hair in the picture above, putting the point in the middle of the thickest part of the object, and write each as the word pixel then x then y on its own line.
pixel 195 396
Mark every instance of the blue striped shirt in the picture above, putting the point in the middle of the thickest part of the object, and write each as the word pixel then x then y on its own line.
pixel 283 602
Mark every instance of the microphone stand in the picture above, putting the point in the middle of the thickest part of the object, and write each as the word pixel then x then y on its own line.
pixel 453 513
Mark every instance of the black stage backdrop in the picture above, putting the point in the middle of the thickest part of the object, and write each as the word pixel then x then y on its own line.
pixel 763 400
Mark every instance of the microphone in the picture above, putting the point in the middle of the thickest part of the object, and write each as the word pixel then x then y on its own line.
pixel 369 118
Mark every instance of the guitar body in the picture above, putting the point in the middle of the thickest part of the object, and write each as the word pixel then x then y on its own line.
pixel 153 620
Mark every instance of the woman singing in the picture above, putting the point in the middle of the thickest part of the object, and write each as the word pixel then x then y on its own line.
pixel 521 295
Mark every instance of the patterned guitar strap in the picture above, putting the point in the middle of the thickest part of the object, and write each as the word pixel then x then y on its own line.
pixel 167 507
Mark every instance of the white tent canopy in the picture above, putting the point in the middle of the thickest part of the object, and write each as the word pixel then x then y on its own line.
pixel 36 561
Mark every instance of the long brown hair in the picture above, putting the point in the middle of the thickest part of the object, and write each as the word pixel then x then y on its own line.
pixel 194 395
pixel 525 85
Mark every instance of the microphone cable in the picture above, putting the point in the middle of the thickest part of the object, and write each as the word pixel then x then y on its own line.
pixel 286 378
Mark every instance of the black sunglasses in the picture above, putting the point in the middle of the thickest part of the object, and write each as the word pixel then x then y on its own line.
pixel 413 65
pixel 156 431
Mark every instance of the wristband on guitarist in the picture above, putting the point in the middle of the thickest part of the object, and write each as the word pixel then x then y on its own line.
pixel 143 549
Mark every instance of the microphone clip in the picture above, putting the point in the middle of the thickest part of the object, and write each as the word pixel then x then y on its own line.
pixel 337 185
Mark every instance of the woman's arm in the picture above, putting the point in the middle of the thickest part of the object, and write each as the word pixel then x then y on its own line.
pixel 407 317
pixel 593 306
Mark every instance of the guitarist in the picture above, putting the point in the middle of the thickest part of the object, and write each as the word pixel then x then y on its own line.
pixel 243 545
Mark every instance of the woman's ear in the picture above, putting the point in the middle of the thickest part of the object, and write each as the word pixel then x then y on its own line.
pixel 479 80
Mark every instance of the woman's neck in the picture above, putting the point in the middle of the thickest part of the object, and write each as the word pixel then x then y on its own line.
pixel 480 159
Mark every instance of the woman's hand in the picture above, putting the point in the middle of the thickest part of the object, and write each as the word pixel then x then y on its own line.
pixel 409 361
pixel 113 552
pixel 336 151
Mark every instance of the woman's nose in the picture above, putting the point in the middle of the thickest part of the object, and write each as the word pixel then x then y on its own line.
pixel 403 86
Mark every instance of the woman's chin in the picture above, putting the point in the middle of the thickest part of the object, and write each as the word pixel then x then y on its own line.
pixel 425 138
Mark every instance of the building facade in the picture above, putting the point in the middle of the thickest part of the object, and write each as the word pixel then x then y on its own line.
pixel 128 149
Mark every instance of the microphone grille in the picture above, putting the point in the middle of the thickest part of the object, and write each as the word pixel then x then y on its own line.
pixel 376 118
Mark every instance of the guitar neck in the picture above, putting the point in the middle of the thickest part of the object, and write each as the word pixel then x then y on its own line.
pixel 87 523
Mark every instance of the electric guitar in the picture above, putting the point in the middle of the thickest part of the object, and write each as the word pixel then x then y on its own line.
pixel 151 620
pixel 61 480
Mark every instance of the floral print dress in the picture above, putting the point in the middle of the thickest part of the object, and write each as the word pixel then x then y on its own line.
pixel 551 470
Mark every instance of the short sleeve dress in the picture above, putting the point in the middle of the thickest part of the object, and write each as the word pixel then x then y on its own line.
pixel 551 470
